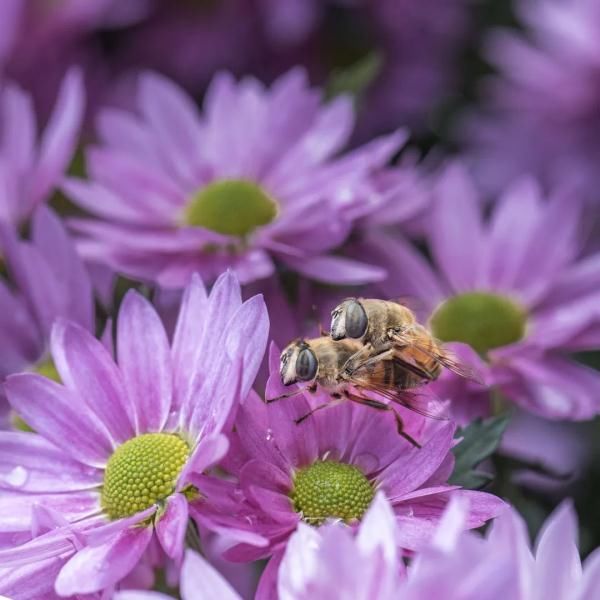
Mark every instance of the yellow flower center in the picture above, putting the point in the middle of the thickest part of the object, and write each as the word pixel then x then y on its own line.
pixel 331 490
pixel 142 472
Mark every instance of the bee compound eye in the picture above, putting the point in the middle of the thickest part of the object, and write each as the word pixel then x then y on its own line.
pixel 306 365
pixel 356 320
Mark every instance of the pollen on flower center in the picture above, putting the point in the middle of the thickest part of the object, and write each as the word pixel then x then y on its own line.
pixel 331 490
pixel 231 206
pixel 482 320
pixel 142 472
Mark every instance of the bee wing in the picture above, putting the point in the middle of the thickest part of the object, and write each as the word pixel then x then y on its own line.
pixel 444 357
pixel 405 398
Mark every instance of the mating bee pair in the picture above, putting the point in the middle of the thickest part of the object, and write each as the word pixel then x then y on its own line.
pixel 375 348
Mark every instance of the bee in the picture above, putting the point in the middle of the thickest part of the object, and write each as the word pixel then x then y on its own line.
pixel 321 362
pixel 388 329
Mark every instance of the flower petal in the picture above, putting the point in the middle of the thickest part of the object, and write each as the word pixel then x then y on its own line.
pixel 411 469
pixel 172 525
pixel 60 136
pixel 337 270
pixel 29 463
pixel 201 581
pixel 97 567
pixel 59 415
pixel 88 370
pixel 145 359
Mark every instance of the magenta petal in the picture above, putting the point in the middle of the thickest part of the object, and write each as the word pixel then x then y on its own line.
pixel 201 581
pixel 49 545
pixel 145 359
pixel 87 368
pixel 60 416
pixel 172 525
pixel 415 466
pixel 97 567
pixel 209 451
pixel 29 463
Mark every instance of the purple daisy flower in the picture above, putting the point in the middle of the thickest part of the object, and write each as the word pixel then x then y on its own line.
pixel 254 180
pixel 29 168
pixel 47 281
pixel 115 446
pixel 513 287
pixel 330 466
pixel 541 114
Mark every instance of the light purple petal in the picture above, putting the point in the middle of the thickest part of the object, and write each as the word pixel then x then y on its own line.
pixel 144 357
pixel 337 270
pixel 377 530
pixel 557 564
pixel 60 136
pixel 456 229
pixel 32 581
pixel 172 525
pixel 87 368
pixel 60 416
pixel 95 568
pixel 201 581
pixel 28 463
pixel 590 582
pixel 51 239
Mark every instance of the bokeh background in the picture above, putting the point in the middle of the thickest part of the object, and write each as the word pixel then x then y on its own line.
pixel 509 88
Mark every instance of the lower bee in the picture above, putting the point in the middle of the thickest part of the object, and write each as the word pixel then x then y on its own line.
pixel 321 362
pixel 388 329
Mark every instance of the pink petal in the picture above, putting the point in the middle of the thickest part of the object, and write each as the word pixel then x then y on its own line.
pixel 145 359
pixel 337 270
pixel 60 416
pixel 172 525
pixel 97 567
pixel 87 368
pixel 201 581
pixel 29 463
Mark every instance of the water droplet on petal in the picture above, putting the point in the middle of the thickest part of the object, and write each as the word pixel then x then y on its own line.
pixel 269 435
pixel 17 477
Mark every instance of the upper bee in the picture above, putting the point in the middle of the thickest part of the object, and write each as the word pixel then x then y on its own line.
pixel 349 320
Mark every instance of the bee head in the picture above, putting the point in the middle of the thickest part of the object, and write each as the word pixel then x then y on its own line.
pixel 349 320
pixel 298 363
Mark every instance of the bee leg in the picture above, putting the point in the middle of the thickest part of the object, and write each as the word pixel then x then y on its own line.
pixel 335 402
pixel 381 406
pixel 311 389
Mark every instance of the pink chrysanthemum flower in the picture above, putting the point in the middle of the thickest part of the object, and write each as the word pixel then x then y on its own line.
pixel 513 287
pixel 108 469
pixel 330 467
pixel 30 168
pixel 256 179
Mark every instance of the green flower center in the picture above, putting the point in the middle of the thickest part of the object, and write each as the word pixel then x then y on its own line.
pixel 331 490
pixel 232 207
pixel 482 320
pixel 48 369
pixel 142 472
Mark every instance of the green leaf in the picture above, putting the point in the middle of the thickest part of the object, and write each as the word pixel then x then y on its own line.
pixel 480 440
pixel 355 80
